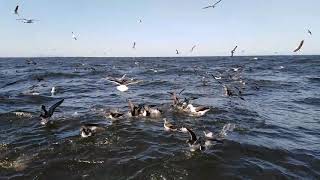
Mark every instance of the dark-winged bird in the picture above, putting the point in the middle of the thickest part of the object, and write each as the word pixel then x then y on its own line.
pixel 233 51
pixel 46 115
pixel 299 47
pixel 212 6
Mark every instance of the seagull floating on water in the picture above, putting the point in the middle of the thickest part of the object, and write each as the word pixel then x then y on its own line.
pixel 123 82
pixel 88 130
pixel 169 126
pixel 45 117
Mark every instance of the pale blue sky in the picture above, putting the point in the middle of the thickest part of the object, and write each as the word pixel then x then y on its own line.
pixel 109 27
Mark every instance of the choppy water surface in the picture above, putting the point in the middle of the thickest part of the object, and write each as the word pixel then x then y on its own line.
pixel 276 135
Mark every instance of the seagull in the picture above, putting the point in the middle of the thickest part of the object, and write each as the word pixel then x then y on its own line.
pixel 134 45
pixel 123 82
pixel 212 6
pixel 193 48
pixel 74 36
pixel 140 20
pixel 194 142
pixel 177 52
pixel 299 47
pixel 115 115
pixel 88 130
pixel 136 110
pixel 197 111
pixel 27 21
pixel 233 51
pixel 169 126
pixel 16 10
pixel 310 32
pixel 45 117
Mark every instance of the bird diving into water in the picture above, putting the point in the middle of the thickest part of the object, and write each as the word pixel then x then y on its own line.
pixel 299 47
pixel 233 51
pixel 212 6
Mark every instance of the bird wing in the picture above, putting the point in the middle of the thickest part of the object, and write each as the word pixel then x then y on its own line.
pixel 217 2
pixel 134 82
pixel 53 107
pixel 16 10
pixel 299 47
pixel 193 48
pixel 192 135
pixel 22 19
pixel 202 108
pixel 207 7
pixel 114 81
pixel 235 48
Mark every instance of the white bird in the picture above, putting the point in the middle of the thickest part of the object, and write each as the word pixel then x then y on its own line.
pixel 74 36
pixel 123 82
pixel 169 126
pixel 197 111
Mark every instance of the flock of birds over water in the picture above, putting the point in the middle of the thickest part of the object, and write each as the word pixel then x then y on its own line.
pixel 214 5
pixel 179 104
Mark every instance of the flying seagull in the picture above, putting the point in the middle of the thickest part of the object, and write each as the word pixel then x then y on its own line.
pixel 177 52
pixel 310 32
pixel 134 45
pixel 212 6
pixel 193 48
pixel 27 21
pixel 299 47
pixel 74 36
pixel 233 51
pixel 16 10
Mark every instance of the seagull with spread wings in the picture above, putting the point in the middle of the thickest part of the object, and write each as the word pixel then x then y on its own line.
pixel 212 6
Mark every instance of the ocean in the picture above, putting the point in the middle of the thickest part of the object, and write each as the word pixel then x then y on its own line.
pixel 277 118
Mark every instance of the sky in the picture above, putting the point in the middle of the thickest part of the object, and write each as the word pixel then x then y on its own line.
pixel 109 27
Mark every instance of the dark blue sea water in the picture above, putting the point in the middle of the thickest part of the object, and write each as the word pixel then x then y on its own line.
pixel 277 124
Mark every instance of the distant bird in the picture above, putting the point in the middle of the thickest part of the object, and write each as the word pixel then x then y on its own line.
pixel 177 52
pixel 134 45
pixel 16 10
pixel 299 47
pixel 193 48
pixel 310 32
pixel 27 21
pixel 233 51
pixel 212 6
pixel 140 20
pixel 88 130
pixel 46 115
pixel 74 36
